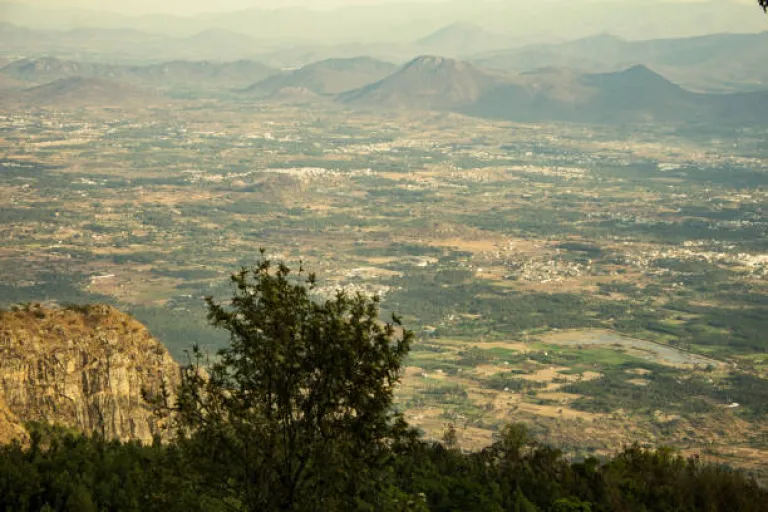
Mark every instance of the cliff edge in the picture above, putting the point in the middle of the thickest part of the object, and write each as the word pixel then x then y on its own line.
pixel 83 367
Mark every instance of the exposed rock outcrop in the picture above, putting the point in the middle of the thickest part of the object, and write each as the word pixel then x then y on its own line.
pixel 85 367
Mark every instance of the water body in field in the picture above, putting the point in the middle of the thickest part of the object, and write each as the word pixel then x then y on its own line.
pixel 656 352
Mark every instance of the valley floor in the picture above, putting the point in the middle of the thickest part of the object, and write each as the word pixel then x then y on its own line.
pixel 532 260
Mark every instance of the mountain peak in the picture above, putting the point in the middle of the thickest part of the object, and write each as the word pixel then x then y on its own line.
pixel 638 76
pixel 428 81
pixel 640 70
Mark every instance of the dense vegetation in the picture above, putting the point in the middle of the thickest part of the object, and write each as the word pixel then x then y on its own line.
pixel 297 414
pixel 69 472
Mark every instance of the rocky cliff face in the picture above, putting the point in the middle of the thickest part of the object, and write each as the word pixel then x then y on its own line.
pixel 86 368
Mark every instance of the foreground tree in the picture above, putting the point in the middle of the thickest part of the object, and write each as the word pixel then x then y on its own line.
pixel 296 414
pixel 763 4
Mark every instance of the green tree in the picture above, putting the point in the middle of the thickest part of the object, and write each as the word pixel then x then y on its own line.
pixel 571 505
pixel 296 413
pixel 80 501
pixel 450 438
pixel 522 504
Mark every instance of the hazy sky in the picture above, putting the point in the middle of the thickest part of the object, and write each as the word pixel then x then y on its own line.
pixel 186 7
pixel 194 6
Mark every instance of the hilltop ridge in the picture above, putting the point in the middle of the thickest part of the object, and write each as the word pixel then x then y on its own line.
pixel 200 73
pixel 330 76
pixel 78 91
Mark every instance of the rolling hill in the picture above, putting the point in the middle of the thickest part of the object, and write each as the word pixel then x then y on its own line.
pixel 200 74
pixel 175 74
pixel 83 92
pixel 330 76
pixel 48 69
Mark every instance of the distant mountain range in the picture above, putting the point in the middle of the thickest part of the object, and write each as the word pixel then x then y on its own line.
pixel 635 95
pixel 714 62
pixel 135 46
pixel 454 40
pixel 711 63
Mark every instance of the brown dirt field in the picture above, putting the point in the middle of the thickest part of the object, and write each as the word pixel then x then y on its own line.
pixel 173 197
pixel 430 420
pixel 555 337
pixel 123 286
pixel 508 405
pixel 381 260
pixel 546 374
pixel 486 370
pixel 474 246
pixel 473 438
pixel 553 411
pixel 510 345
pixel 482 396
pixel 665 418
pixel 559 396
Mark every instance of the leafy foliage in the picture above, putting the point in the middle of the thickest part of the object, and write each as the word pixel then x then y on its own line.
pixel 63 471
pixel 296 413
pixel 60 470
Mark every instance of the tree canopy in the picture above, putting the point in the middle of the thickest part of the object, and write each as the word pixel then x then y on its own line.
pixel 296 414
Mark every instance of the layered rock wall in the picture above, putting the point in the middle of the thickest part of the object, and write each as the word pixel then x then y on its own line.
pixel 86 368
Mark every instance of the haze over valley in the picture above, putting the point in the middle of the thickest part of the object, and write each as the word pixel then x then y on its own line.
pixel 564 201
